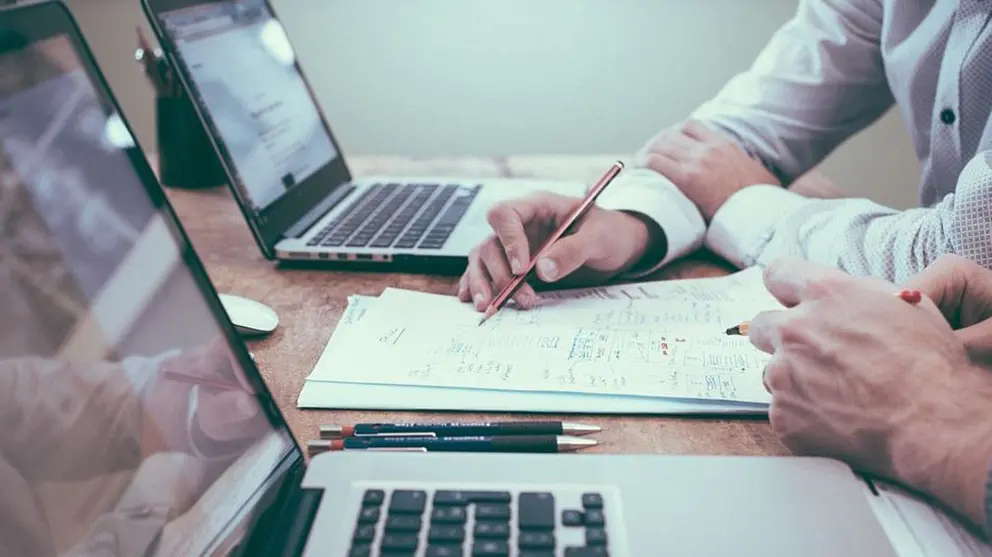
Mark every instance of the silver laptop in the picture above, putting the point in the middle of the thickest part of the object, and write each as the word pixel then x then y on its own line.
pixel 137 425
pixel 287 171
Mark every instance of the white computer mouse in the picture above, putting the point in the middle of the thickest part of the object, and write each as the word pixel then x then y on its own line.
pixel 249 317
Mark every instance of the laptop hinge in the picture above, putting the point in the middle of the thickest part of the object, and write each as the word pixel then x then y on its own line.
pixel 319 210
pixel 283 528
pixel 296 523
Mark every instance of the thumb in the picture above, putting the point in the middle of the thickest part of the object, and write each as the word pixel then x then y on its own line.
pixel 977 341
pixel 565 256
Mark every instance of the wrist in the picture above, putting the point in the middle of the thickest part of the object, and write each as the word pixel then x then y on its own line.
pixel 650 245
pixel 943 446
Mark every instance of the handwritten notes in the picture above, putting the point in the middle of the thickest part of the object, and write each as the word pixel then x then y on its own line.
pixel 654 339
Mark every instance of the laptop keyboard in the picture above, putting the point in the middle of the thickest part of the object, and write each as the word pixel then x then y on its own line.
pixel 401 216
pixel 452 523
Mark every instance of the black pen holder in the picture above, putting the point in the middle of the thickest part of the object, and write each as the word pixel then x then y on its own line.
pixel 186 157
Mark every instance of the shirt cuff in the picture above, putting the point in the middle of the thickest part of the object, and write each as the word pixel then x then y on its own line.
pixel 643 191
pixel 745 223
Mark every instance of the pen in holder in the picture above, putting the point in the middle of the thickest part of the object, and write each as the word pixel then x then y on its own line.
pixel 186 157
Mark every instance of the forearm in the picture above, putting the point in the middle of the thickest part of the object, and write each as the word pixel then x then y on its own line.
pixel 857 235
pixel 818 81
pixel 88 410
pixel 950 459
pixel 673 225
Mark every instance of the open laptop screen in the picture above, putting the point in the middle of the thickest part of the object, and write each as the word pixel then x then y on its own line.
pixel 128 424
pixel 245 75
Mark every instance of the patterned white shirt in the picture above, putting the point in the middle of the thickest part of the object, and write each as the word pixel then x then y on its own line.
pixel 832 70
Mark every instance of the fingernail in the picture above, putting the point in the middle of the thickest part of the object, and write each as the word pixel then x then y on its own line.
pixel 478 300
pixel 548 269
pixel 515 266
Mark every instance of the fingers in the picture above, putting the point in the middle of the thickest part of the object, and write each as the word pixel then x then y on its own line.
pixel 487 274
pixel 960 287
pixel 977 340
pixel 764 331
pixel 793 280
pixel 477 282
pixel 666 166
pixel 701 132
pixel 509 219
pixel 567 255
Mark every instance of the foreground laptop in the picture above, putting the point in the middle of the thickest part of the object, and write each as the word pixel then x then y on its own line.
pixel 135 423
pixel 285 167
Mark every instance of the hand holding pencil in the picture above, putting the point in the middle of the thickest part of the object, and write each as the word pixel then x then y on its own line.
pixel 600 245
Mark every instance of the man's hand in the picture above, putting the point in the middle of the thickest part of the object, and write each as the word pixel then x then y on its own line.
pixel 707 166
pixel 860 375
pixel 604 244
pixel 221 415
pixel 962 289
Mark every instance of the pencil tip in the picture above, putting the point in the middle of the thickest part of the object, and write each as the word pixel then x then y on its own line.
pixel 735 330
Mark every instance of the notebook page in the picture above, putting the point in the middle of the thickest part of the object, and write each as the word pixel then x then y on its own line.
pixel 326 366
pixel 652 347
pixel 741 286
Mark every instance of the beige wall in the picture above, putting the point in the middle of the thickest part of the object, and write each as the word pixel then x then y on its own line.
pixel 483 77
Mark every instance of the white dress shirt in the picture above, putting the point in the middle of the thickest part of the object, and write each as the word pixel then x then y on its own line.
pixel 832 70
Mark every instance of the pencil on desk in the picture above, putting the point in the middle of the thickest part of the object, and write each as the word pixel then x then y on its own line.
pixel 909 296
pixel 500 300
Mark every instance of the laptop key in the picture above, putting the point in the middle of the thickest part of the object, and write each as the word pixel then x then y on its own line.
pixel 403 523
pixel 536 540
pixel 368 515
pixel 445 533
pixel 490 529
pixel 408 501
pixel 592 501
pixel 536 511
pixel 490 548
pixel 597 551
pixel 445 497
pixel 448 515
pixel 572 518
pixel 595 536
pixel 399 542
pixel 364 533
pixel 536 553
pixel 490 496
pixel 435 550
pixel 373 497
pixel 360 551
pixel 492 512
pixel 595 517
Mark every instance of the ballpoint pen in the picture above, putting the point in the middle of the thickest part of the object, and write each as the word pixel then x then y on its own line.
pixel 500 300
pixel 474 444
pixel 412 429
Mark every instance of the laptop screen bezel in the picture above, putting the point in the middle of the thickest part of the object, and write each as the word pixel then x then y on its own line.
pixel 32 23
pixel 287 211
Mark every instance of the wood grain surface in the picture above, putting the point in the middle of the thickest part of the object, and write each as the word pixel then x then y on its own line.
pixel 309 303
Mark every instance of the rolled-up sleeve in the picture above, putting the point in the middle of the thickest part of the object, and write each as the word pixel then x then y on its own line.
pixel 819 80
pixel 858 236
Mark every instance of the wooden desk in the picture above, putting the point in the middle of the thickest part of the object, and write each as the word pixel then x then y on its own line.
pixel 309 303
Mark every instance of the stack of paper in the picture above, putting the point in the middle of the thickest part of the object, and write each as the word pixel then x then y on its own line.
pixel 655 347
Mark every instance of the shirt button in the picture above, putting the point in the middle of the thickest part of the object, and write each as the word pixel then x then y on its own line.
pixel 947 116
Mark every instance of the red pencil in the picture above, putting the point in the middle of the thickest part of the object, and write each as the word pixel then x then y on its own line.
pixel 912 297
pixel 500 300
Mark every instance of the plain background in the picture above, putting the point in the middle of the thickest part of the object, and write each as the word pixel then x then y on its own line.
pixel 425 78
